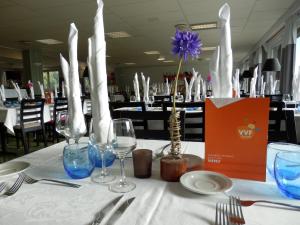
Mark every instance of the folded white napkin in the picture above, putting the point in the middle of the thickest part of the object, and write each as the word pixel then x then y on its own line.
pixel 253 83
pixel 30 84
pixel 145 84
pixel 17 88
pixel 262 86
pixel 272 85
pixel 2 93
pixel 167 87
pixel 98 78
pixel 203 88
pixel 236 83
pixel 296 86
pixel 136 87
pixel 197 92
pixel 214 71
pixel 189 87
pixel 42 89
pixel 226 60
pixel 76 117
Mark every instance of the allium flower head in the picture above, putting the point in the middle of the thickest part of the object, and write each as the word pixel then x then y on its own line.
pixel 186 43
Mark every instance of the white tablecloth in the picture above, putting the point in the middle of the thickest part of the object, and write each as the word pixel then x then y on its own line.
pixel 10 116
pixel 157 202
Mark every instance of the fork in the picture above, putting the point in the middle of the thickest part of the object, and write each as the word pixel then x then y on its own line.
pixel 221 214
pixel 235 211
pixel 16 185
pixel 2 186
pixel 30 180
pixel 251 202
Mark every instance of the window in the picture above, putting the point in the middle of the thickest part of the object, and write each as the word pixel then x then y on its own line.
pixel 51 79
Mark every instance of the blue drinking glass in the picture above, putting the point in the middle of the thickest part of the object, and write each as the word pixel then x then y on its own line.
pixel 287 173
pixel 79 160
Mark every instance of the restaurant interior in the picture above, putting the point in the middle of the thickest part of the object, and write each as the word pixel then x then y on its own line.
pixel 149 112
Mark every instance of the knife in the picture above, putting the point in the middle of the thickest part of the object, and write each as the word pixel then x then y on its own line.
pixel 121 209
pixel 100 215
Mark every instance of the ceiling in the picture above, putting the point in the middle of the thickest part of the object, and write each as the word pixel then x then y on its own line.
pixel 150 22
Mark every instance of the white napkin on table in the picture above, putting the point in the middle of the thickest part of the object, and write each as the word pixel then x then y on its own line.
pixel 253 83
pixel 63 86
pixel 203 88
pixel 214 71
pixel 42 89
pixel 236 83
pixel 197 92
pixel 296 86
pixel 136 88
pixel 167 87
pixel 2 93
pixel 145 84
pixel 17 88
pixel 77 122
pixel 55 91
pixel 31 89
pixel 98 78
pixel 262 86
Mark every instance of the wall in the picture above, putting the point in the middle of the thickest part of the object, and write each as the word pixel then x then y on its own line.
pixel 124 75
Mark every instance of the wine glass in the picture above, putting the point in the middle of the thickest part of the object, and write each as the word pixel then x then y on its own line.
pixel 122 139
pixel 151 100
pixel 62 125
pixel 103 176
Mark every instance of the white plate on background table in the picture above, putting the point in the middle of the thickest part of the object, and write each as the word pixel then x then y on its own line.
pixel 11 168
pixel 205 182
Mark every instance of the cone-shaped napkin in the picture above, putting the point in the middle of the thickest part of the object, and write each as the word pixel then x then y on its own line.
pixel 71 78
pixel 236 83
pixel 30 85
pixel 145 87
pixel 296 86
pixel 197 94
pixel 98 78
pixel 253 84
pixel 2 93
pixel 17 88
pixel 136 88
pixel 189 87
pixel 167 87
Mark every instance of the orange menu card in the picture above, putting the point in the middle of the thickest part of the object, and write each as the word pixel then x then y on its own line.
pixel 236 132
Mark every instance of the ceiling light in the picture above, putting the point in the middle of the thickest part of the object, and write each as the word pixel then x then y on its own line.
pixel 118 34
pixel 168 61
pixel 182 26
pixel 161 58
pixel 152 52
pixel 129 63
pixel 204 26
pixel 49 41
pixel 108 56
pixel 212 48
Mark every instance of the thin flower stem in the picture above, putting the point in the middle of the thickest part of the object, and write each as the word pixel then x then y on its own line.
pixel 175 88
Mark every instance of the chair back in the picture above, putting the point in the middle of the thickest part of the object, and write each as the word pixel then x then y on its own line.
pixel 60 105
pixel 151 116
pixel 32 114
pixel 162 98
pixel 194 126
pixel 277 117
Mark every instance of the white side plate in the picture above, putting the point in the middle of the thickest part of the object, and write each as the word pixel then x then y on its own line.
pixel 205 182
pixel 10 168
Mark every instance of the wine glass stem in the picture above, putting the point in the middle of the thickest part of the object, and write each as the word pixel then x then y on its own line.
pixel 103 166
pixel 123 176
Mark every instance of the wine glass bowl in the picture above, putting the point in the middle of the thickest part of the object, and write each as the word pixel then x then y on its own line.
pixel 122 140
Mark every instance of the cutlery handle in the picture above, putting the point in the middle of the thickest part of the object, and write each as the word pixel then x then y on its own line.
pixel 279 203
pixel 62 182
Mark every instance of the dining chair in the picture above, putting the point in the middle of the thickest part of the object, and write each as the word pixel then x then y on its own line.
pixel 60 105
pixel 88 115
pixel 31 121
pixel 150 117
pixel 275 98
pixel 162 98
pixel 278 117
pixel 194 126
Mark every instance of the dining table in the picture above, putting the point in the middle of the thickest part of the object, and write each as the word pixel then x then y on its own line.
pixel 157 202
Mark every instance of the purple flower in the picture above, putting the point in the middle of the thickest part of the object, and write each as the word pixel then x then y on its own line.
pixel 186 43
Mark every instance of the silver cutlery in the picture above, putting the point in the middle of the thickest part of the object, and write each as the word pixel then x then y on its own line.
pixel 120 210
pixel 161 153
pixel 235 211
pixel 2 186
pixel 13 189
pixel 222 217
pixel 30 180
pixel 99 217
pixel 247 203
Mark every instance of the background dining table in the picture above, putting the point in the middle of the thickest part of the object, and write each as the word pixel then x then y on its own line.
pixel 156 202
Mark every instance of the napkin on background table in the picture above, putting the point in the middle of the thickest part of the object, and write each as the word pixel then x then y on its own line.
pixel 136 88
pixel 2 93
pixel 30 84
pixel 98 78
pixel 203 88
pixel 296 86
pixel 42 89
pixel 17 88
pixel 167 87
pixel 189 87
pixel 145 84
pixel 71 76
pixel 236 83
pixel 253 83
pixel 197 79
